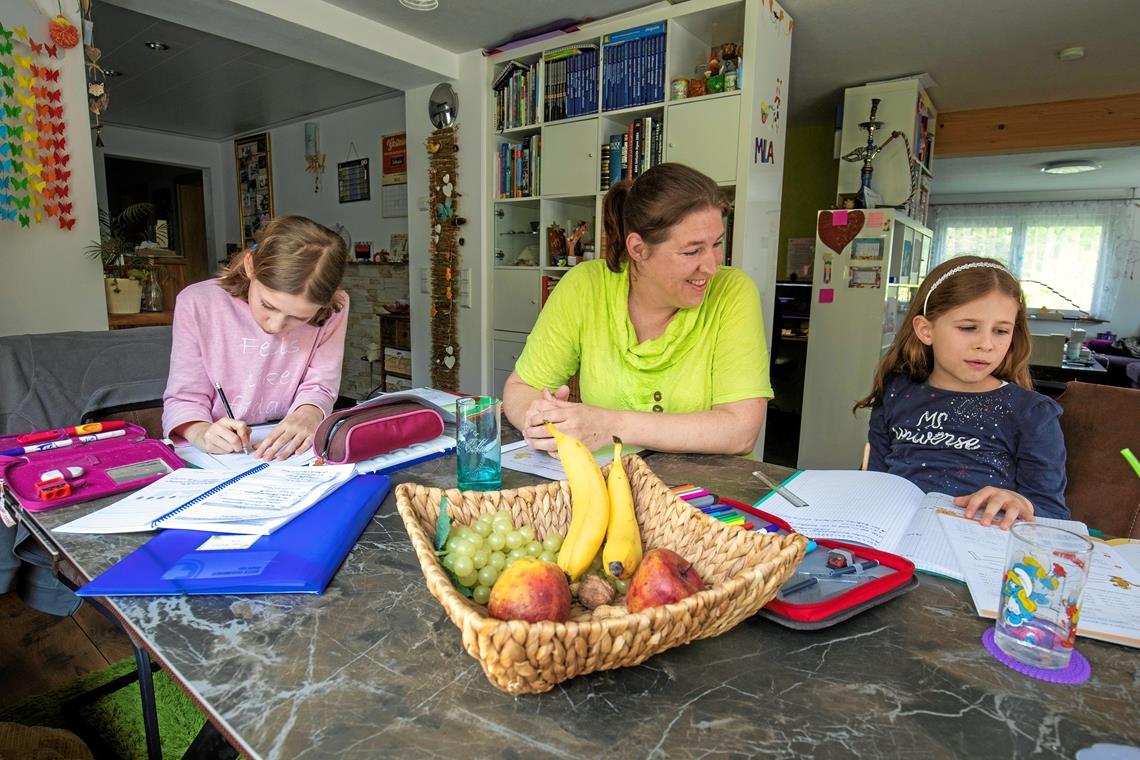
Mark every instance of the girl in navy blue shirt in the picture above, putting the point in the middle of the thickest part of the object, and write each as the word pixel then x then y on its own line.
pixel 952 406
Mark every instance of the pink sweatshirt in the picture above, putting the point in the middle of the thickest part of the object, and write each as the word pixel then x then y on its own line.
pixel 264 376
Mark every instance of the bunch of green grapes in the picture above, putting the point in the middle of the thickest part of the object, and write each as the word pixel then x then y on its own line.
pixel 477 553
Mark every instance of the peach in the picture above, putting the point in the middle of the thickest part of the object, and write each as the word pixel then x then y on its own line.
pixel 663 577
pixel 531 590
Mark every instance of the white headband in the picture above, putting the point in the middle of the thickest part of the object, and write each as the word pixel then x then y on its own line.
pixel 956 270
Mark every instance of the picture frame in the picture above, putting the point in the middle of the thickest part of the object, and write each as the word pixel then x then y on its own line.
pixel 254 166
pixel 867 249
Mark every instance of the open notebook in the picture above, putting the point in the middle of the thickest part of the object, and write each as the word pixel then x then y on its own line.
pixel 240 461
pixel 879 510
pixel 257 501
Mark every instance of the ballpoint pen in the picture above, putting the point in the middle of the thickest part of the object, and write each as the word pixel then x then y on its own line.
pixel 229 410
pixel 794 500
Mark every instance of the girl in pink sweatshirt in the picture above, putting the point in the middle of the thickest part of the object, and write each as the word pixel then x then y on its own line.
pixel 269 330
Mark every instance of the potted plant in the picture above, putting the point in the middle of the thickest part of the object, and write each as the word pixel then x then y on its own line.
pixel 123 272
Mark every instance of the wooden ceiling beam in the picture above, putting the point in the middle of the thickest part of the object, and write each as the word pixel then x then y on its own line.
pixel 1075 124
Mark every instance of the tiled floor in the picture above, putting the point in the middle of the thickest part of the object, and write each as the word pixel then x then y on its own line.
pixel 39 652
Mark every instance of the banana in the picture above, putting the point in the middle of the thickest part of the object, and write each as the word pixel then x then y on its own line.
pixel 622 552
pixel 590 504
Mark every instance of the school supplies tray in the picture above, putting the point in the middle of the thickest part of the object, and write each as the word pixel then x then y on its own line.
pixel 835 581
pixel 121 459
pixel 742 571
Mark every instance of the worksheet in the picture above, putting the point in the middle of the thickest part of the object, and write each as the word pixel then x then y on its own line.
pixel 1110 609
pixel 239 461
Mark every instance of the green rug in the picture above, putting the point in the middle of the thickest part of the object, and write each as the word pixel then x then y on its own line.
pixel 117 717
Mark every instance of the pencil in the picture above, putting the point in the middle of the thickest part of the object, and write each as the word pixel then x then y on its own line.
pixel 229 409
pixel 794 500
pixel 1128 455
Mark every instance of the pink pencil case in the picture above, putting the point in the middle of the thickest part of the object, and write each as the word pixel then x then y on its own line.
pixel 110 466
pixel 366 431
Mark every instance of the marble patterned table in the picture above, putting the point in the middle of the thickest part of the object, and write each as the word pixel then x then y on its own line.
pixel 374 668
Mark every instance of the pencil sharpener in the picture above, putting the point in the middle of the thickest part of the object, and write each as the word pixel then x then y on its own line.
pixel 839 558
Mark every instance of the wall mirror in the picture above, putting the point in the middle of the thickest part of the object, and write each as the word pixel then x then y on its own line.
pixel 443 106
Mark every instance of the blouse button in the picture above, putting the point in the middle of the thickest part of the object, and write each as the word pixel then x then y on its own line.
pixel 657 408
pixel 656 395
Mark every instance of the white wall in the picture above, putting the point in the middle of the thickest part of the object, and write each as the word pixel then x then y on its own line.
pixel 474 205
pixel 293 187
pixel 175 150
pixel 48 283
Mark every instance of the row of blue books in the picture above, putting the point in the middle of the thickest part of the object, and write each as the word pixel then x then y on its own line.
pixel 571 88
pixel 633 66
pixel 518 169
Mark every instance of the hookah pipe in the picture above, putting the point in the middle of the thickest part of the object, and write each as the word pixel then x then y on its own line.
pixel 868 153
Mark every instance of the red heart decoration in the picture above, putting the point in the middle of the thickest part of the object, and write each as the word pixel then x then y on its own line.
pixel 836 237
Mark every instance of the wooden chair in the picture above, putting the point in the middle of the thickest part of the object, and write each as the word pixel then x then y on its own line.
pixel 1103 491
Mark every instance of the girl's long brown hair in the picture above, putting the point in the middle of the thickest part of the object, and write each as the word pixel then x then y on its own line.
pixel 652 203
pixel 293 255
pixel 911 357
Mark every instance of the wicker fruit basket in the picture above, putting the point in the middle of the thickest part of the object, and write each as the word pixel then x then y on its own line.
pixel 741 570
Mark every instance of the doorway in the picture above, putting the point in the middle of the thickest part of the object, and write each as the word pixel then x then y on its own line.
pixel 178 219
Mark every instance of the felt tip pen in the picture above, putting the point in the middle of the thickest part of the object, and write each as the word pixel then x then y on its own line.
pixel 91 427
pixel 1132 460
pixel 21 450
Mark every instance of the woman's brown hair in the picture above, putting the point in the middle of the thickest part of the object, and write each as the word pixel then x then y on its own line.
pixel 293 255
pixel 911 357
pixel 652 203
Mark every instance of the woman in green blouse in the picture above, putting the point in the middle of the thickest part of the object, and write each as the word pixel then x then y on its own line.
pixel 668 344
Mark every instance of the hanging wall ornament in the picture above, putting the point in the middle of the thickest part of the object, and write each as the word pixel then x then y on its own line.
pixel 443 249
pixel 63 32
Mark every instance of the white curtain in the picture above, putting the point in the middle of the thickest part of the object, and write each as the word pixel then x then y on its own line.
pixel 1030 239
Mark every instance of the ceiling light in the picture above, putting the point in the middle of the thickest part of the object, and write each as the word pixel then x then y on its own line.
pixel 420 5
pixel 1074 53
pixel 157 45
pixel 110 73
pixel 1070 167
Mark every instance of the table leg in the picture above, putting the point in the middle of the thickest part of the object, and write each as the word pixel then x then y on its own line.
pixel 149 709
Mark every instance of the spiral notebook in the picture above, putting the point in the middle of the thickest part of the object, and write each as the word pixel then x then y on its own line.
pixel 257 501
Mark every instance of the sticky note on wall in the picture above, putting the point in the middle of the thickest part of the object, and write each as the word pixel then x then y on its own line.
pixel 826 295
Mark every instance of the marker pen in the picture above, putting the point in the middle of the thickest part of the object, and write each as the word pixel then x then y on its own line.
pixel 21 450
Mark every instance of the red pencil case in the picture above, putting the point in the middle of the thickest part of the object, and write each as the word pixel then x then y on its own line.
pixel 891 576
pixel 110 466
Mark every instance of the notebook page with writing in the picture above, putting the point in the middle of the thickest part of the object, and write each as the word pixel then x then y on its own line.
pixel 870 508
pixel 925 544
pixel 239 461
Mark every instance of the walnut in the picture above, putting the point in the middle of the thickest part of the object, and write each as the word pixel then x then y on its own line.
pixel 594 591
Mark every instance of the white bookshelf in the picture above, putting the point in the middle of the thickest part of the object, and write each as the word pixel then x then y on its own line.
pixel 717 133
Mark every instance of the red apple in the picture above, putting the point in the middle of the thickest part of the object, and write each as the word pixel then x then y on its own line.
pixel 531 590
pixel 662 577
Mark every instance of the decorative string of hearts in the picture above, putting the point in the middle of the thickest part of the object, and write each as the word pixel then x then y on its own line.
pixel 443 249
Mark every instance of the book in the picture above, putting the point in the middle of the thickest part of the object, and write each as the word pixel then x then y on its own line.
pixel 520 457
pixel 879 510
pixel 258 501
pixel 1110 607
pixel 302 557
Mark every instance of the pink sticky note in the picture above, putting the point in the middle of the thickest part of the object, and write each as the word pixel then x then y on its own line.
pixel 826 295
pixel 875 219
pixel 839 218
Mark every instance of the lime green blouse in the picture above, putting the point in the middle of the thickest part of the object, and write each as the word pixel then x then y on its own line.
pixel 712 354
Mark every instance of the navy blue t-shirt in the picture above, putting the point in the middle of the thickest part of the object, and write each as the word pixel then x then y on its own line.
pixel 956 443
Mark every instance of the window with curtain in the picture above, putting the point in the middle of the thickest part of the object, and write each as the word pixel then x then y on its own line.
pixel 1065 254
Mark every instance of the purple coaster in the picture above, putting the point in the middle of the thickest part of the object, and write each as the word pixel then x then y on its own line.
pixel 1077 671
